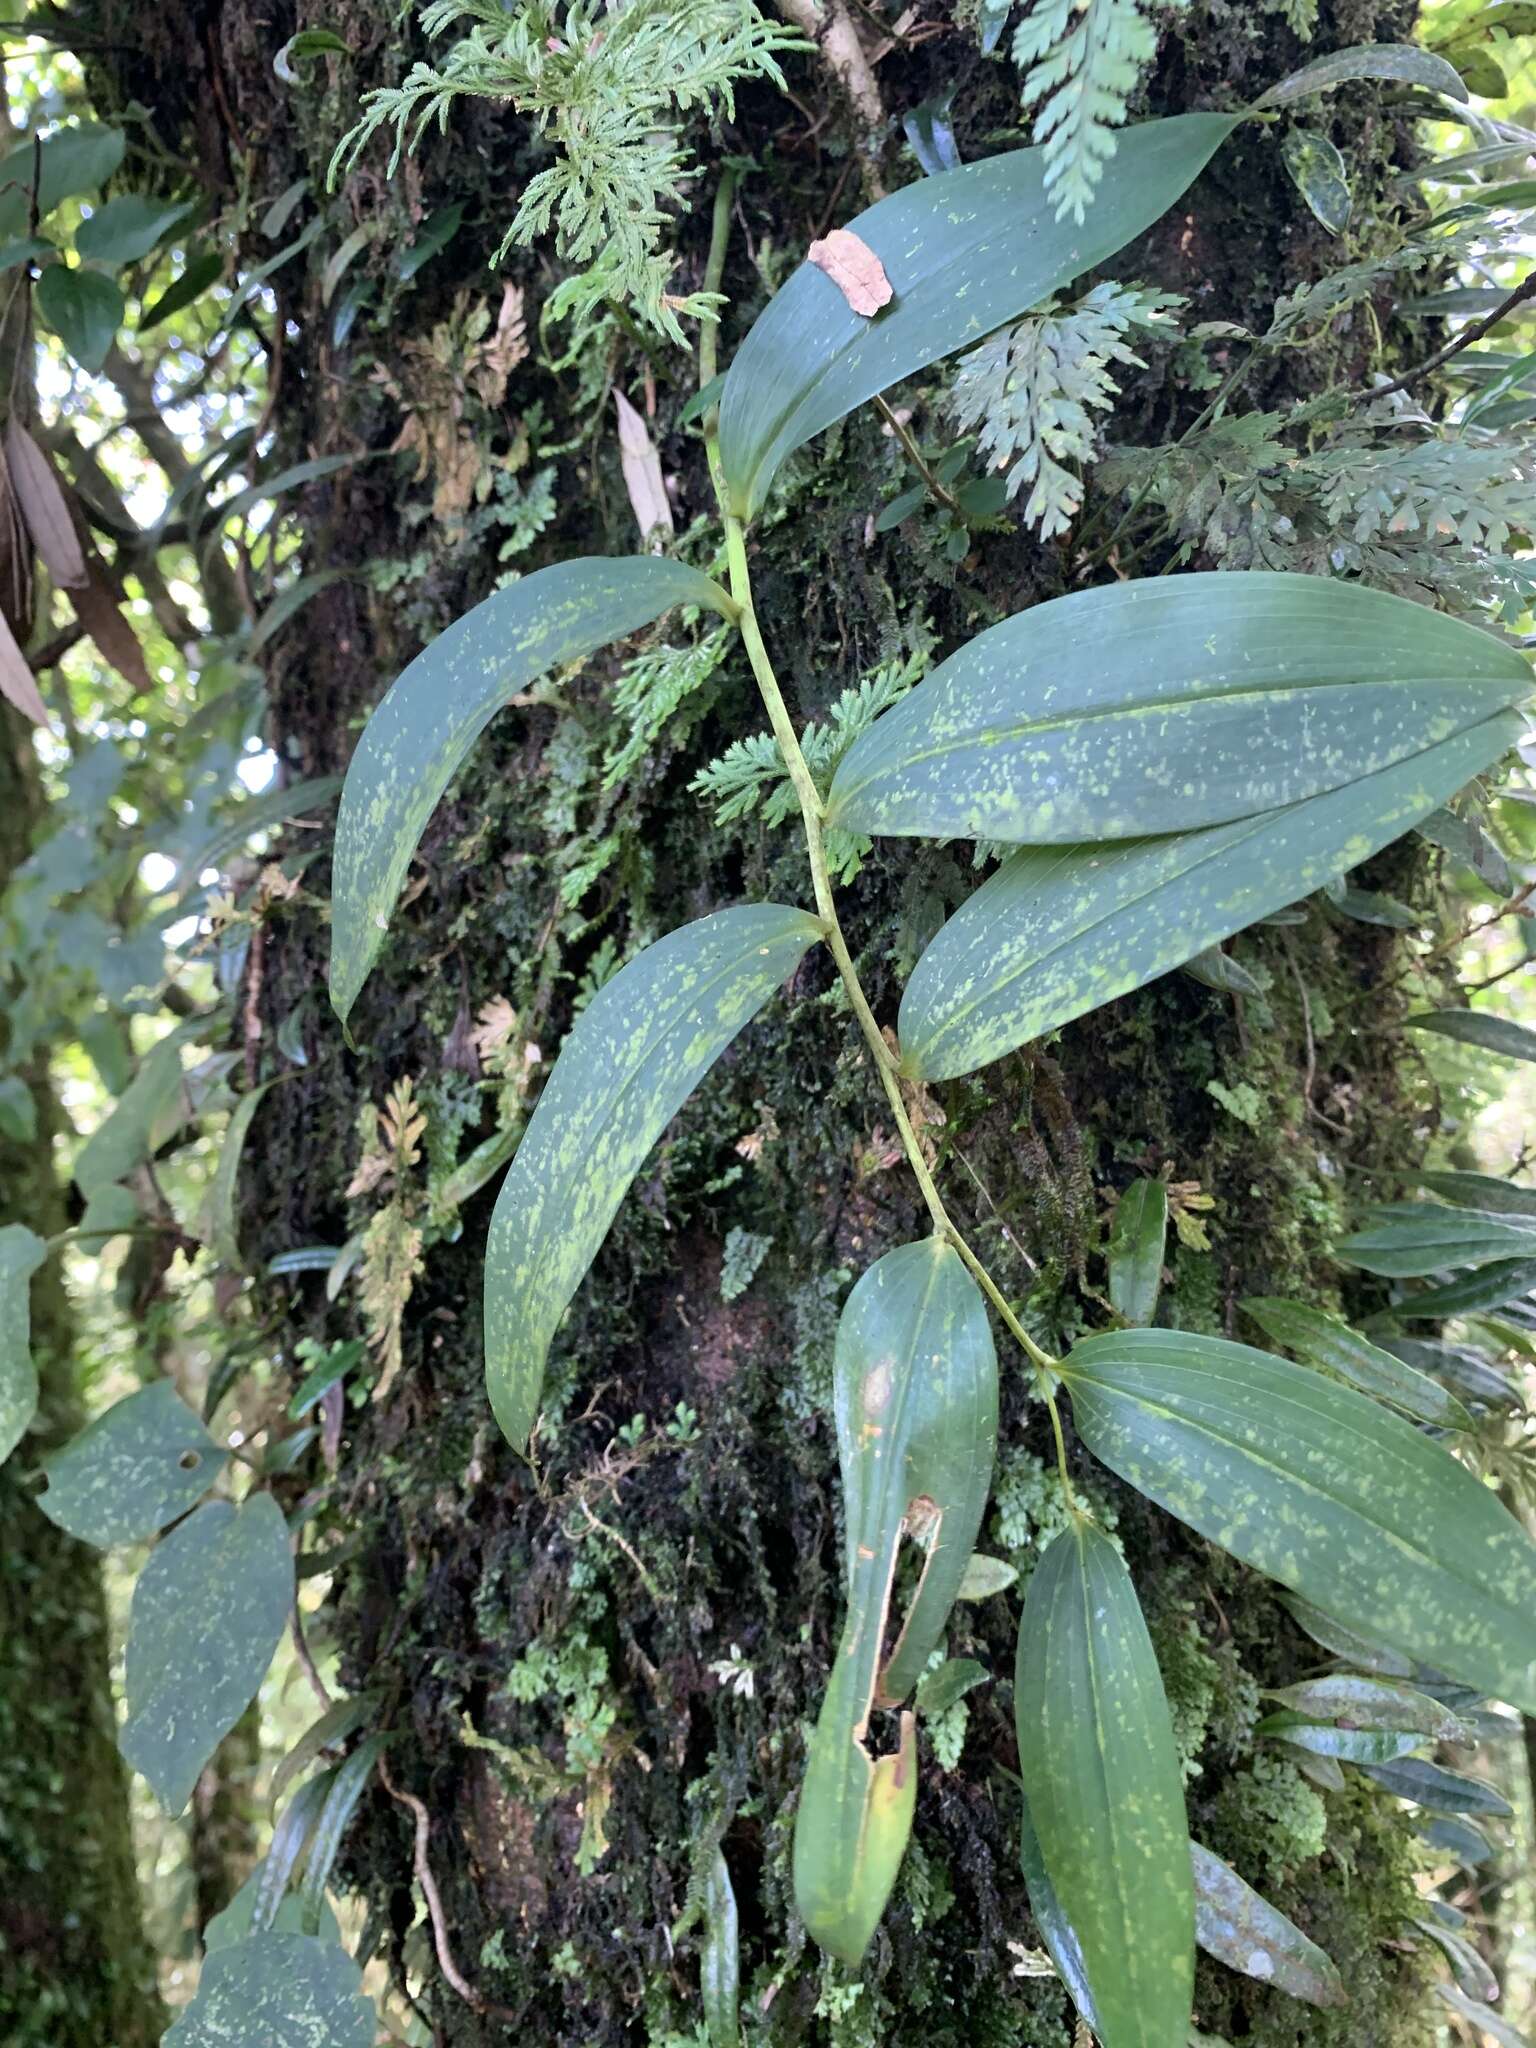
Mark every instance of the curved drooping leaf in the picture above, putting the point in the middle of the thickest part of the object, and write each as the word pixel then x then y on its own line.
pixel 1167 704
pixel 966 252
pixel 417 739
pixel 1489 1287
pixel 1483 1191
pixel 345 1790
pixel 138 1466
pixel 277 1991
pixel 1056 1930
pixel 1061 930
pixel 1106 1796
pixel 915 1394
pixel 1439 1790
pixel 139 1118
pixel 1325 1490
pixel 1480 1028
pixel 207 1613
pixel 21 1253
pixel 1244 1931
pixel 1407 1240
pixel 235 1923
pixel 338 1721
pixel 290 1837
pixel 222 1228
pixel 1324 1340
pixel 632 1059
pixel 1137 1237
pixel 1403 61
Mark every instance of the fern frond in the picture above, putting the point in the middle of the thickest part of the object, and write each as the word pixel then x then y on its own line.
pixel 605 87
pixel 1081 61
pixel 1032 390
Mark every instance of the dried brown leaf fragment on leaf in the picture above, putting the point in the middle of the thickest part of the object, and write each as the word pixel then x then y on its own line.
pixel 45 507
pixel 642 472
pixel 18 685
pixel 854 268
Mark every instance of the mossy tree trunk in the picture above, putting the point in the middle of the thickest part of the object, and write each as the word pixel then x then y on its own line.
pixel 574 1616
pixel 75 1970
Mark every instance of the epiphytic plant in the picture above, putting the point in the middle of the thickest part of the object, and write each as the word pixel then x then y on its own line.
pixel 1171 761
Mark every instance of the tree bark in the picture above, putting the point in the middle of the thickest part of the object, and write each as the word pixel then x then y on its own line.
pixel 572 1617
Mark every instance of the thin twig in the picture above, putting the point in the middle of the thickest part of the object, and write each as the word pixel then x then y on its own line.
pixel 307 1663
pixel 1465 339
pixel 475 2000
pixel 908 440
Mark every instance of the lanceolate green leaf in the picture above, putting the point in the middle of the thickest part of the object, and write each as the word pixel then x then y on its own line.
pixel 915 1393
pixel 1101 1775
pixel 1489 1287
pixel 138 1466
pixel 1482 1029
pixel 1328 1492
pixel 1166 704
pixel 417 739
pixel 207 1613
pixel 1407 1240
pixel 720 1958
pixel 21 1253
pixel 1322 1339
pixel 1480 1191
pixel 1058 931
pixel 1136 1241
pixel 965 252
pixel 1243 1930
pixel 277 1991
pixel 632 1059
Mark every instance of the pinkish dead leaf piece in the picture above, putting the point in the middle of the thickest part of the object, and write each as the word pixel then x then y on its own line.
pixel 854 268
pixel 44 507
pixel 642 472
pixel 18 685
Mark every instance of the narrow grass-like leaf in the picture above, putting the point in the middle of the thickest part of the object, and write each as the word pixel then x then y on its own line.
pixel 277 1991
pixel 343 1793
pixel 223 1228
pixel 1324 1340
pixel 1136 1240
pixel 632 1059
pixel 338 1721
pixel 21 1253
pixel 720 1958
pixel 138 1466
pixel 235 1922
pixel 915 1394
pixel 1167 704
pixel 1408 1240
pixel 290 1836
pixel 207 1613
pixel 1477 1027
pixel 1101 1775
pixel 966 252
pixel 1325 1490
pixel 1244 1931
pixel 1058 931
pixel 417 739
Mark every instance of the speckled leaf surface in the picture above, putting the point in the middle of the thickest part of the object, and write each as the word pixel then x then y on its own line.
pixel 1058 931
pixel 21 1253
pixel 277 1991
pixel 1167 704
pixel 966 252
pixel 1137 1236
pixel 631 1060
pixel 720 1958
pixel 1106 1798
pixel 1242 1929
pixel 915 1398
pixel 417 739
pixel 1057 1932
pixel 207 1613
pixel 139 1465
pixel 1321 1339
pixel 1328 1492
pixel 1408 1240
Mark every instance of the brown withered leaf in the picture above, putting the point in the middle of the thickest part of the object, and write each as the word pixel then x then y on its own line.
pixel 17 682
pixel 854 268
pixel 642 471
pixel 97 607
pixel 493 362
pixel 45 507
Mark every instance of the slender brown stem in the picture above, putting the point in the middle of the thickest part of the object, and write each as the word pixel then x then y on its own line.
pixel 1518 297
pixel 421 1863
pixel 915 455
